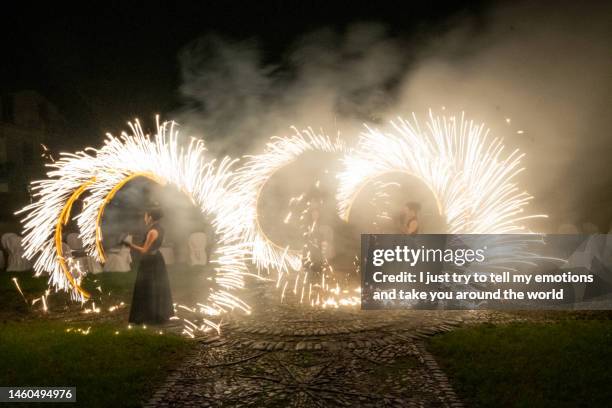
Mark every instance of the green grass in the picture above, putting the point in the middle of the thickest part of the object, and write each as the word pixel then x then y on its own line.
pixel 13 306
pixel 107 369
pixel 567 363
pixel 187 285
pixel 10 299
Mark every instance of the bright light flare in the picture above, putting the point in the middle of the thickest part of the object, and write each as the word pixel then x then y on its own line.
pixel 468 173
pixel 97 174
pixel 253 176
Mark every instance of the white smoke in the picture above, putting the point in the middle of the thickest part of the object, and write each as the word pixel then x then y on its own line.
pixel 547 67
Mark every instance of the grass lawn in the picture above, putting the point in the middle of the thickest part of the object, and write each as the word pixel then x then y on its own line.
pixel 108 369
pixel 186 284
pixel 567 363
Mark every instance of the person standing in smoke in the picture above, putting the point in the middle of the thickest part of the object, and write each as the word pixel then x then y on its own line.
pixel 314 258
pixel 152 300
pixel 409 221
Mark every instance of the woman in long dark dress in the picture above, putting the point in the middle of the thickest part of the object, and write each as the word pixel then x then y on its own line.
pixel 152 300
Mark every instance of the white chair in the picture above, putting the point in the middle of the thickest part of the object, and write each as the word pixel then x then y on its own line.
pixel 88 264
pixel 197 249
pixel 119 259
pixel 600 246
pixel 76 266
pixel 16 262
pixel 182 253
pixel 92 265
pixel 594 248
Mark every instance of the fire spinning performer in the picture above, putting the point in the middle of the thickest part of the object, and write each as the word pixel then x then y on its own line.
pixel 152 300
pixel 314 255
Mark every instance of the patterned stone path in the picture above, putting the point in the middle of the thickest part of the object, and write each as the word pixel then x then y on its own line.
pixel 286 356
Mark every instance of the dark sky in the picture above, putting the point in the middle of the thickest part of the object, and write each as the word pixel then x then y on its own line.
pixel 107 63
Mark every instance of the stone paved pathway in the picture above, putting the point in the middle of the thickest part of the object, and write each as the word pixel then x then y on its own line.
pixel 286 356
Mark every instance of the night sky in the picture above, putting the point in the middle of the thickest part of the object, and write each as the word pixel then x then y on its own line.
pixel 102 65
pixel 107 63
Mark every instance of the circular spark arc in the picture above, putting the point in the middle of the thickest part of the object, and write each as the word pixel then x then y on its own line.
pixel 108 199
pixel 63 220
pixel 251 179
pixel 102 172
pixel 470 177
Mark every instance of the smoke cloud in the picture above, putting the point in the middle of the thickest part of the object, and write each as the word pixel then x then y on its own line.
pixel 547 67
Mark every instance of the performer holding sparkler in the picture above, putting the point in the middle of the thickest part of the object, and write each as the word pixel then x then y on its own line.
pixel 315 264
pixel 152 300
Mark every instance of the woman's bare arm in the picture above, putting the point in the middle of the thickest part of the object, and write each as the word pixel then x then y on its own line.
pixel 151 237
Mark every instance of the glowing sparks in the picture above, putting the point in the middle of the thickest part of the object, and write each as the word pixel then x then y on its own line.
pixel 470 177
pixel 93 309
pixel 468 174
pixel 292 267
pixel 44 303
pixel 116 307
pixel 83 332
pixel 19 289
pixel 253 176
pixel 101 173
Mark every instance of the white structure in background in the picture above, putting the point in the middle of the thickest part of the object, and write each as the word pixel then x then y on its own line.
pixel 87 263
pixel 16 262
pixel 67 252
pixel 197 249
pixel 119 259
pixel 27 120
pixel 167 252
pixel 598 248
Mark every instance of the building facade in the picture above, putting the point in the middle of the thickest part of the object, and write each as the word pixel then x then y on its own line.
pixel 27 122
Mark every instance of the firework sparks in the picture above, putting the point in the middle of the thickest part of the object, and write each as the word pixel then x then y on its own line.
pixel 470 177
pixel 19 289
pixel 116 307
pixel 44 303
pixel 316 273
pixel 468 174
pixel 293 267
pixel 101 173
pixel 253 176
pixel 46 154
